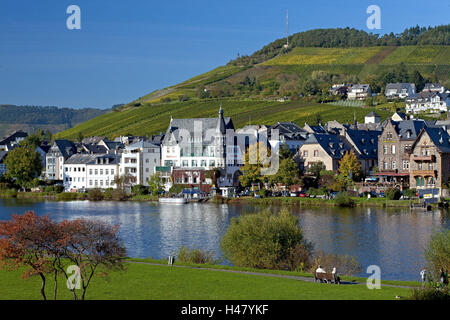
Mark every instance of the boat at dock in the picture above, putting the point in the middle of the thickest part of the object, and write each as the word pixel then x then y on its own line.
pixel 177 200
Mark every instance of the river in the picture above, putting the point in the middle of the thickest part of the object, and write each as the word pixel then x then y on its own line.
pixel 393 239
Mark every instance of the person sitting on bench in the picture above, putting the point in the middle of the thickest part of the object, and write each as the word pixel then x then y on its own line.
pixel 320 270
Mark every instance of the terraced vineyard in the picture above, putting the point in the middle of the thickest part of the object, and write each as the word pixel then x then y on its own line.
pixel 148 115
pixel 153 119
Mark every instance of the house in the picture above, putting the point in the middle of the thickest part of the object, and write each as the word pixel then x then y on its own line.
pixel 202 143
pixel 139 160
pixel 193 178
pixel 290 135
pixel 365 145
pixel 59 152
pixel 315 129
pixel 430 160
pixel 359 92
pixel 399 116
pixel 88 171
pixel 394 147
pixel 434 87
pixel 3 155
pixel 428 101
pixel 399 90
pixel 339 89
pixel 322 147
pixel 10 142
pixel 372 118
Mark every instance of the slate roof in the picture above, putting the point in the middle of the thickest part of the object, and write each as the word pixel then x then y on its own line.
pixel 12 138
pixel 94 149
pixel 66 147
pixel 143 144
pixel 412 127
pixel 219 123
pixel 366 142
pixel 335 145
pixel 398 87
pixel 91 158
pixel 440 138
pixel 290 131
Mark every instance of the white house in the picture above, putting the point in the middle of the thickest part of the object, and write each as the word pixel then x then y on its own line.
pixel 139 160
pixel 359 92
pixel 400 90
pixel 201 143
pixel 88 171
pixel 428 101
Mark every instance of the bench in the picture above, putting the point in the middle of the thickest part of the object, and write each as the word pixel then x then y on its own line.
pixel 327 277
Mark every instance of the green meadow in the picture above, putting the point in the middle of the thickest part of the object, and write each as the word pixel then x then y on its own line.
pixel 149 282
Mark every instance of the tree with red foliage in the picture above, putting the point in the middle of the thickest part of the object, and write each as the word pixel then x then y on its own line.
pixel 47 247
pixel 24 241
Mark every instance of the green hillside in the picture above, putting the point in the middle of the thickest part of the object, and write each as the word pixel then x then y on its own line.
pixel 249 86
pixel 153 119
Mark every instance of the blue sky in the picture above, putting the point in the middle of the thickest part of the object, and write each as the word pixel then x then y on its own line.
pixel 126 49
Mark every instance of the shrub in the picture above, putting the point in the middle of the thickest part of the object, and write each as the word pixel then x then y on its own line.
pixel 393 194
pixel 267 241
pixel 430 294
pixel 139 190
pixel 67 196
pixel 54 189
pixel 343 200
pixel 95 195
pixel 263 193
pixel 196 256
pixel 10 193
pixel 437 254
pixel 410 193
pixel 108 194
pixel 345 264
pixel 119 195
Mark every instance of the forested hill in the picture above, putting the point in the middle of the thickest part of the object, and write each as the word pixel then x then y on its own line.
pixel 348 38
pixel 30 118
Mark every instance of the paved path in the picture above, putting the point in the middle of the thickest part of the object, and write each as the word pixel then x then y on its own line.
pixel 307 279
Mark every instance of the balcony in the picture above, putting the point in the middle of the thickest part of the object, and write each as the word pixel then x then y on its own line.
pixel 431 158
pixel 424 173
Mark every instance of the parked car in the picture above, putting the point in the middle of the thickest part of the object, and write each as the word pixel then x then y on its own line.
pixel 294 194
pixel 333 195
pixel 302 195
pixel 381 195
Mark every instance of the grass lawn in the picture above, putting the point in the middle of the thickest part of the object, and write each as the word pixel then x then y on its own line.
pixel 164 283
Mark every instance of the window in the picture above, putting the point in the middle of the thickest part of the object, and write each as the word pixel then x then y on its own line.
pixel 305 153
pixel 96 172
pixel 385 165
pixel 212 163
pixel 203 163
pixel 405 165
pixel 385 149
pixel 101 172
pixel 393 149
pixel 185 163
pixel 90 172
pixel 394 165
pixel 107 171
pixel 194 163
pixel 316 153
pixel 90 182
pixel 112 171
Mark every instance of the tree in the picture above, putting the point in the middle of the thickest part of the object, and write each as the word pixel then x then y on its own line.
pixel 94 247
pixel 316 168
pixel 23 164
pixel 265 240
pixel 254 160
pixel 24 242
pixel 287 174
pixel 46 247
pixel 349 166
pixel 437 254
pixel 154 184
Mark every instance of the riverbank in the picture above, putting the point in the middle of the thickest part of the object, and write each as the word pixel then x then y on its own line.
pixel 143 281
pixel 280 201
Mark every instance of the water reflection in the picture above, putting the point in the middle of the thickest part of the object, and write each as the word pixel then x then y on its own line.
pixel 394 239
